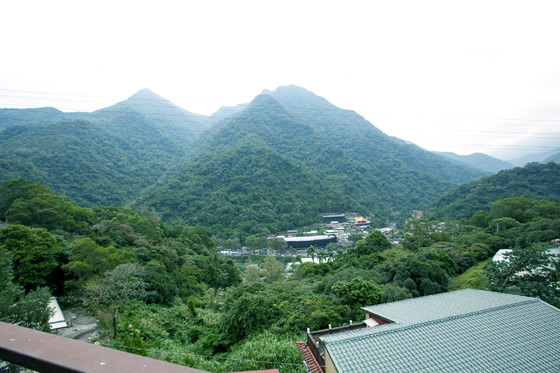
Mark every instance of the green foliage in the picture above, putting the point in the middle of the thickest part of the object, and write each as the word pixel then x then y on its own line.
pixel 375 242
pixel 472 278
pixel 34 252
pixel 358 292
pixel 267 350
pixel 534 270
pixel 534 181
pixel 27 310
pixel 116 288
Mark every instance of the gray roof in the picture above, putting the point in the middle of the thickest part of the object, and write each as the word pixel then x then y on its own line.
pixel 495 333
pixel 442 305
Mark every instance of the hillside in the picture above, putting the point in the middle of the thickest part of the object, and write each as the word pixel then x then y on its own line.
pixel 479 161
pixel 245 179
pixel 534 181
pixel 102 158
pixel 382 177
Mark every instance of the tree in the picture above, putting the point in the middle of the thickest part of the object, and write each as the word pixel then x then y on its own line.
pixel 35 254
pixel 273 269
pixel 311 251
pixel 534 270
pixel 358 292
pixel 115 289
pixel 27 310
pixel 375 242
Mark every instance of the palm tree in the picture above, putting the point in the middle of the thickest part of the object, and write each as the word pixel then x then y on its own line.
pixel 311 252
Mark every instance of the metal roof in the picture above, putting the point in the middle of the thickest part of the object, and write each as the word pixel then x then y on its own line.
pixel 494 333
pixel 442 305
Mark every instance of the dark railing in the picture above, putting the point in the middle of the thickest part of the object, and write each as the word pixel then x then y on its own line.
pixel 313 339
pixel 46 352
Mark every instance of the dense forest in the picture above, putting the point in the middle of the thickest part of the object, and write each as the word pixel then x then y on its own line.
pixel 136 151
pixel 534 181
pixel 355 166
pixel 163 291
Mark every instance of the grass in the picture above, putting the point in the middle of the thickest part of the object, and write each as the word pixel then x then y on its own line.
pixel 472 278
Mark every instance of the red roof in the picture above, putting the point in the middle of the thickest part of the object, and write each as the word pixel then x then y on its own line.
pixel 312 363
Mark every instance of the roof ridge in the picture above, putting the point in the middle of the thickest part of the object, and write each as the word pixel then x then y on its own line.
pixel 445 293
pixel 436 321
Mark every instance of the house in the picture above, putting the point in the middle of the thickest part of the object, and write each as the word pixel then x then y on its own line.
pixel 464 330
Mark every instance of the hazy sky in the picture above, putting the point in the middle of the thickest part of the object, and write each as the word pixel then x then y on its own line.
pixel 459 76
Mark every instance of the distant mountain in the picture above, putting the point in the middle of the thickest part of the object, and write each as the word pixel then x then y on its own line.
pixel 353 164
pixel 102 158
pixel 178 124
pixel 553 158
pixel 479 161
pixel 363 141
pixel 534 157
pixel 534 181
pixel 11 117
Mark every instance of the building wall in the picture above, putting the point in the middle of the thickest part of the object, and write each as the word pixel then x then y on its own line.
pixel 379 320
pixel 329 366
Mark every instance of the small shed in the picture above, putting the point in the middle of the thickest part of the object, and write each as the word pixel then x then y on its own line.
pixel 56 321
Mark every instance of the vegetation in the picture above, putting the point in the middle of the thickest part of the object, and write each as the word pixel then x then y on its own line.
pixel 162 291
pixel 534 181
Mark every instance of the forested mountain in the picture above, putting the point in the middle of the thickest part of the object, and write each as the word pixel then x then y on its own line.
pixel 248 177
pixel 352 165
pixel 274 164
pixel 11 117
pixel 172 121
pixel 102 158
pixel 534 181
pixel 480 161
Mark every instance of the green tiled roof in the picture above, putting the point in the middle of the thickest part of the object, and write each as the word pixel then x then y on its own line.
pixel 434 307
pixel 511 334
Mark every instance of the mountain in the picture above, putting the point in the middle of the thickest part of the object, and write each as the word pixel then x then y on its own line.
pixel 479 161
pixel 534 157
pixel 553 158
pixel 102 158
pixel 178 124
pixel 534 181
pixel 360 139
pixel 11 117
pixel 354 166
pixel 246 179
pixel 273 164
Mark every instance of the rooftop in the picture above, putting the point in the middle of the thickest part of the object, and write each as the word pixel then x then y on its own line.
pixel 466 330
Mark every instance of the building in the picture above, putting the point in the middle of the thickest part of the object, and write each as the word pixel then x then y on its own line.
pixel 292 233
pixel 416 214
pixel 465 330
pixel 328 219
pixel 307 241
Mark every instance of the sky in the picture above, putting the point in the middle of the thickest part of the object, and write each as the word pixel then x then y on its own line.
pixel 458 76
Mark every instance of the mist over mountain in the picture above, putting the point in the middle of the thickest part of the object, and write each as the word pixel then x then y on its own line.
pixel 479 161
pixel 535 157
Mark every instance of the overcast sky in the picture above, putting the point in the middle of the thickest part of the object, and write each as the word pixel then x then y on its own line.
pixel 461 76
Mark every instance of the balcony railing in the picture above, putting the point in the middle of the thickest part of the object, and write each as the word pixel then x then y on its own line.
pixel 45 352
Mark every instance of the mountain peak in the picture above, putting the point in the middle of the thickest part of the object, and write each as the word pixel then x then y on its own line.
pixel 146 94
